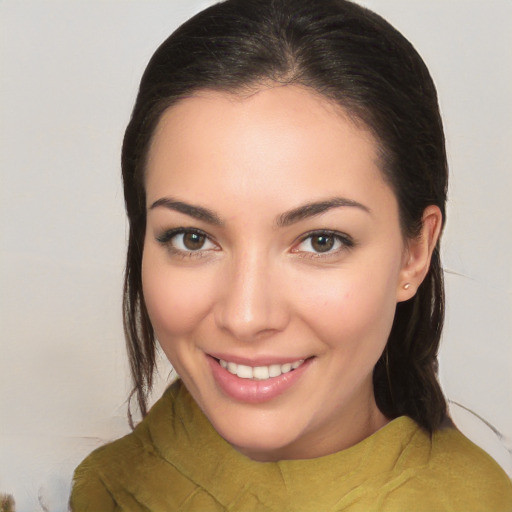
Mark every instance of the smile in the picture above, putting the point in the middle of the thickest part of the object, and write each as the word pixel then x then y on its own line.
pixel 256 384
pixel 259 372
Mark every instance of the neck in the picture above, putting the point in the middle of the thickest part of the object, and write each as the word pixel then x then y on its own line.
pixel 362 422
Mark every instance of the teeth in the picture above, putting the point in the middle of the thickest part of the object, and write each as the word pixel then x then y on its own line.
pixel 285 368
pixel 259 372
pixel 244 372
pixel 274 370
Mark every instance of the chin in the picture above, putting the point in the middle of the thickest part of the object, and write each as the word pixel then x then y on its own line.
pixel 264 439
pixel 263 449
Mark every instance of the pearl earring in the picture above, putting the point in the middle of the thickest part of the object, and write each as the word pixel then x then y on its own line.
pixel 407 286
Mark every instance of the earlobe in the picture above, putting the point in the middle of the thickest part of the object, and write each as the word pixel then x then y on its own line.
pixel 419 253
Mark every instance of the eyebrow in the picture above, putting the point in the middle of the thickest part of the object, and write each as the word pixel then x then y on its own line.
pixel 198 212
pixel 285 219
pixel 317 208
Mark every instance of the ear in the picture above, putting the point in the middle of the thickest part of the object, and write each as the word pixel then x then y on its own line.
pixel 418 254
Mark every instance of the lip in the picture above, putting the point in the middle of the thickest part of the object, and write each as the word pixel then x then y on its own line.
pixel 255 391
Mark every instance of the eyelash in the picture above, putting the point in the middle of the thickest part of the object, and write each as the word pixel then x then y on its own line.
pixel 345 242
pixel 167 237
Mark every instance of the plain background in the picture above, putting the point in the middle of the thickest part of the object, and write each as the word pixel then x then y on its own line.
pixel 69 71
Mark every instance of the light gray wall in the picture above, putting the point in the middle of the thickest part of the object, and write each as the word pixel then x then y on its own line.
pixel 68 77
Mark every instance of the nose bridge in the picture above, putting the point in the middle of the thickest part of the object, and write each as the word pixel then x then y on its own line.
pixel 251 304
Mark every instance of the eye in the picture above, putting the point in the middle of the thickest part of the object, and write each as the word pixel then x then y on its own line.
pixel 182 240
pixel 324 242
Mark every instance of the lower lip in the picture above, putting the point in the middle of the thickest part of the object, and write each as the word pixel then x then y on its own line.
pixel 255 391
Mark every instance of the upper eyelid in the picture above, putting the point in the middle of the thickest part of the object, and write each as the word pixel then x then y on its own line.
pixel 165 239
pixel 330 232
pixel 168 234
pixel 346 242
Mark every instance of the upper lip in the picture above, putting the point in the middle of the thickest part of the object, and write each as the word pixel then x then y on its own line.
pixel 263 360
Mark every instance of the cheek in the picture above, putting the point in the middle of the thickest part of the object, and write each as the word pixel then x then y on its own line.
pixel 176 300
pixel 349 308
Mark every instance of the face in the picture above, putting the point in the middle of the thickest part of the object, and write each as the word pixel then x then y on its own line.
pixel 273 261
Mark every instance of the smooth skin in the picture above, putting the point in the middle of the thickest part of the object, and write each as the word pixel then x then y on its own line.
pixel 234 264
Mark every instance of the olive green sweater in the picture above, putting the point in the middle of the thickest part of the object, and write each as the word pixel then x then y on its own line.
pixel 175 461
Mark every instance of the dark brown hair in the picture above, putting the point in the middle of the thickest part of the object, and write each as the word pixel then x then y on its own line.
pixel 354 57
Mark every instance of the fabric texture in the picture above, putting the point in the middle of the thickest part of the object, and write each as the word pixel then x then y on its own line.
pixel 175 461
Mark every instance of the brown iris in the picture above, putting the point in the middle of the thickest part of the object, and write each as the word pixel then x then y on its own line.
pixel 322 243
pixel 193 241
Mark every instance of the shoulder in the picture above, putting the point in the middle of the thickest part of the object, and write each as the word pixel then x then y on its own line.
pixel 102 475
pixel 462 463
pixel 123 474
pixel 128 451
pixel 453 474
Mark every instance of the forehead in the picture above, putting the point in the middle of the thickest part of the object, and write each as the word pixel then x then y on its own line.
pixel 283 142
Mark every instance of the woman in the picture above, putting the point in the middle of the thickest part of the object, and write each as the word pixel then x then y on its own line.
pixel 285 181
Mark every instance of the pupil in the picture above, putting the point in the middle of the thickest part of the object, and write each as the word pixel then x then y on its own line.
pixel 193 241
pixel 322 243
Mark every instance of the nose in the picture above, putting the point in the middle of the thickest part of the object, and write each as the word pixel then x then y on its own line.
pixel 251 305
